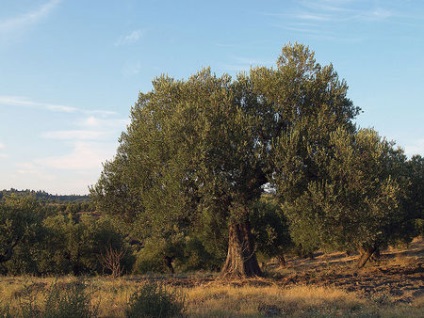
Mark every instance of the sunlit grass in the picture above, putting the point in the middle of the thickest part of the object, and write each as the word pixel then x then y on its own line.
pixel 254 298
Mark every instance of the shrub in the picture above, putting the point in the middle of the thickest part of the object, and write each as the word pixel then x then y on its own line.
pixel 153 300
pixel 5 311
pixel 70 300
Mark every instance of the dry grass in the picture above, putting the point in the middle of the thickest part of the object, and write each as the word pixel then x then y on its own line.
pixel 254 301
pixel 253 298
pixel 396 289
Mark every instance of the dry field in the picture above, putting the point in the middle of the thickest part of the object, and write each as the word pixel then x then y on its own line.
pixel 328 286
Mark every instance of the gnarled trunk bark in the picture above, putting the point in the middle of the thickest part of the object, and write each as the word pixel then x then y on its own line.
pixel 241 259
pixel 281 260
pixel 168 262
pixel 365 255
pixel 8 251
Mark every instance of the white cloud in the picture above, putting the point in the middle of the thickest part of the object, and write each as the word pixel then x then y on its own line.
pixel 103 113
pixel 377 14
pixel 241 64
pixel 414 147
pixel 130 38
pixel 104 123
pixel 131 68
pixel 74 135
pixel 320 18
pixel 31 170
pixel 84 156
pixel 2 147
pixel 91 122
pixel 30 18
pixel 25 102
pixel 20 101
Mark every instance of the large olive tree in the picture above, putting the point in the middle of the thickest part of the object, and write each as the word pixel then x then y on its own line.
pixel 199 152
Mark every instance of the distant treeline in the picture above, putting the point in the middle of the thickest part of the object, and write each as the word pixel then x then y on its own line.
pixel 44 196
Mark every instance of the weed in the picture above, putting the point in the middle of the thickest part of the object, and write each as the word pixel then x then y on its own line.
pixel 153 300
pixel 70 300
pixel 5 311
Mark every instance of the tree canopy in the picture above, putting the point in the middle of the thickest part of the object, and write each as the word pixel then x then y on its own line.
pixel 193 164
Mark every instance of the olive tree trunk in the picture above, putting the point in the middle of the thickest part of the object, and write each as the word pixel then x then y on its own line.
pixel 365 255
pixel 241 259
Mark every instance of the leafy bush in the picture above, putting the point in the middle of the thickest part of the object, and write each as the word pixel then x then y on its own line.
pixel 68 301
pixel 153 300
pixel 5 311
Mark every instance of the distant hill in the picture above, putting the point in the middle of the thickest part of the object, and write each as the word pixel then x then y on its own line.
pixel 44 196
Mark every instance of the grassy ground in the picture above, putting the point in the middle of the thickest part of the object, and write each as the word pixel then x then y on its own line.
pixel 329 286
pixel 253 298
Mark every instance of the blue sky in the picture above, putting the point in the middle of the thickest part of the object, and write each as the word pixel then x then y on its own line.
pixel 70 70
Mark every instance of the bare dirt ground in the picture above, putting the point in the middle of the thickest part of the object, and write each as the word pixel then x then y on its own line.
pixel 397 277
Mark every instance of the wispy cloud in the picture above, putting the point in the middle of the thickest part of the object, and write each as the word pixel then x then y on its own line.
pixel 130 38
pixel 91 129
pixel 93 142
pixel 74 135
pixel 414 147
pixel 19 101
pixel 83 156
pixel 2 147
pixel 31 170
pixel 324 18
pixel 91 139
pixel 25 102
pixel 240 64
pixel 23 21
pixel 91 122
pixel 31 175
pixel 377 14
pixel 308 16
pixel 131 68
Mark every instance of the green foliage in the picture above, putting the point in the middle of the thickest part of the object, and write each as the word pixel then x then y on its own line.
pixel 414 203
pixel 5 311
pixel 188 156
pixel 76 245
pixel 153 300
pixel 356 201
pixel 20 227
pixel 368 186
pixel 197 257
pixel 151 258
pixel 68 301
pixel 193 163
pixel 43 238
pixel 44 197
pixel 270 228
pixel 61 300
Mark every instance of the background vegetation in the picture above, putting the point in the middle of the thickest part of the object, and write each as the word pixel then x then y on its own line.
pixel 221 175
pixel 214 173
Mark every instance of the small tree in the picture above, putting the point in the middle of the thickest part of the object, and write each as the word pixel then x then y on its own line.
pixel 367 189
pixel 271 229
pixel 357 202
pixel 155 300
pixel 111 260
pixel 414 203
pixel 20 222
